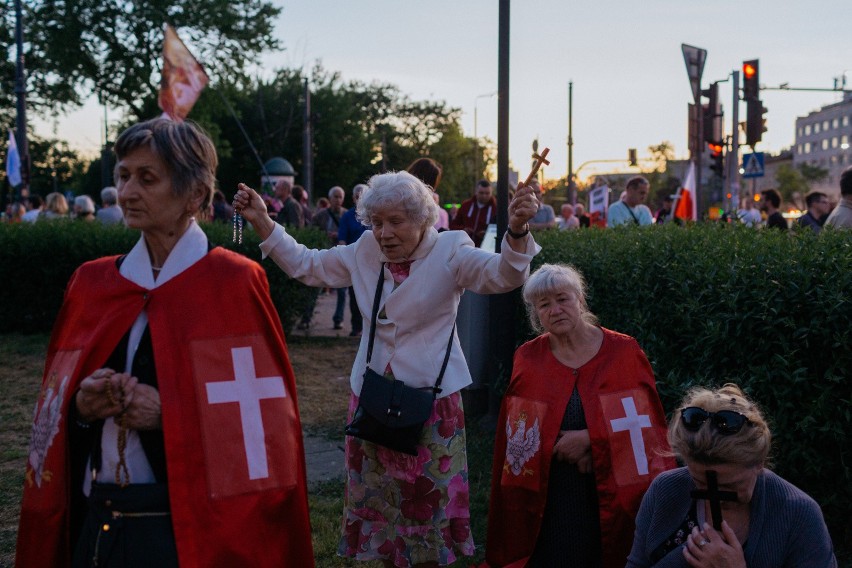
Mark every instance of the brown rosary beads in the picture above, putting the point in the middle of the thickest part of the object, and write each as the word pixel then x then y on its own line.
pixel 121 471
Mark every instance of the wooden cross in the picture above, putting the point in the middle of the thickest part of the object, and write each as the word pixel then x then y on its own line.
pixel 715 497
pixel 539 160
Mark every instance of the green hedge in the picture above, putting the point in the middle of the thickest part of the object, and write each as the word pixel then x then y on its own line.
pixel 712 304
pixel 36 261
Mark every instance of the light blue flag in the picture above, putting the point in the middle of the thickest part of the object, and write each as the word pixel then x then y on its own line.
pixel 13 162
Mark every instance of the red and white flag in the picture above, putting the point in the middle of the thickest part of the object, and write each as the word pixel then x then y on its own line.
pixel 183 77
pixel 686 207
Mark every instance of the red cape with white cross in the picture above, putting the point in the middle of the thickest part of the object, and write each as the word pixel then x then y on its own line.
pixel 235 460
pixel 627 428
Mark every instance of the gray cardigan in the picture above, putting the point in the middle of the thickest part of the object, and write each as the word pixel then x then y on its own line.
pixel 786 527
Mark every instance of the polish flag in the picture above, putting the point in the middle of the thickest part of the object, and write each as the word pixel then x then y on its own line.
pixel 182 80
pixel 686 207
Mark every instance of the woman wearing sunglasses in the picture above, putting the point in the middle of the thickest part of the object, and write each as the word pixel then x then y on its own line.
pixel 725 508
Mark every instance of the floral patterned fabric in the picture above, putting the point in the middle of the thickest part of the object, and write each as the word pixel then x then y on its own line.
pixel 410 509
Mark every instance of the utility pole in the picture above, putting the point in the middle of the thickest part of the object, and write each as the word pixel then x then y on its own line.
pixel 571 186
pixel 307 145
pixel 501 307
pixel 734 154
pixel 21 95
pixel 695 57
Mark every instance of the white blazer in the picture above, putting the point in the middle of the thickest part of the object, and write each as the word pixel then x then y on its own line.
pixel 421 312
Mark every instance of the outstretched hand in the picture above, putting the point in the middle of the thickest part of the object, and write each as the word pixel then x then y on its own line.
pixel 249 204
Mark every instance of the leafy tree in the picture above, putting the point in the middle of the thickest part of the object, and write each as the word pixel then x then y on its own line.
pixel 112 48
pixel 791 182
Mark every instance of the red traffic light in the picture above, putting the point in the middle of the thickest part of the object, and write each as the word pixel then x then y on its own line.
pixel 749 70
pixel 715 149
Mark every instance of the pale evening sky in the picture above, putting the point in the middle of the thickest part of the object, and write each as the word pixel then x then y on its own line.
pixel 624 57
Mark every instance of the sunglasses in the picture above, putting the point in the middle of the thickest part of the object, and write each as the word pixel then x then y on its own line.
pixel 726 422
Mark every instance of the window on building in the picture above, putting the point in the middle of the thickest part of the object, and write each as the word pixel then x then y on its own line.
pixel 834 159
pixel 807 147
pixel 816 128
pixel 825 125
pixel 807 130
pixel 844 140
pixel 834 142
pixel 800 131
pixel 845 121
pixel 799 149
pixel 835 123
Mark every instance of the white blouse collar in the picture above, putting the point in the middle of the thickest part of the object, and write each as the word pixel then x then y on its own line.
pixel 190 248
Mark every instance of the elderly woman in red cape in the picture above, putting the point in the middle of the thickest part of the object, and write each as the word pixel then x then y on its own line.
pixel 166 432
pixel 580 437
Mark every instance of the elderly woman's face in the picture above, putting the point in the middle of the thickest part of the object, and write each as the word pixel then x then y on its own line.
pixel 731 477
pixel 145 192
pixel 559 312
pixel 396 234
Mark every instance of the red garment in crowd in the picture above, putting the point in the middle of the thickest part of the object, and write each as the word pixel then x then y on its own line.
pixel 236 474
pixel 473 219
pixel 627 428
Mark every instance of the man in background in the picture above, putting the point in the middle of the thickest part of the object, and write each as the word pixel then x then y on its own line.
pixel 476 213
pixel 630 211
pixel 771 204
pixel 817 213
pixel 110 212
pixel 841 217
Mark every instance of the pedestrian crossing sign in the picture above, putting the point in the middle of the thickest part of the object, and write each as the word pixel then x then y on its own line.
pixel 753 165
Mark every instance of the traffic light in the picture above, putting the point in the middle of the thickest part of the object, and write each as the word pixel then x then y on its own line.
pixel 631 156
pixel 751 82
pixel 717 157
pixel 712 115
pixel 755 122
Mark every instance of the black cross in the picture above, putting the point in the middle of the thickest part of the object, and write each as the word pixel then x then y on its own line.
pixel 715 497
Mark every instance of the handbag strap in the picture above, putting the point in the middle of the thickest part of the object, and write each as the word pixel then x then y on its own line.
pixel 437 388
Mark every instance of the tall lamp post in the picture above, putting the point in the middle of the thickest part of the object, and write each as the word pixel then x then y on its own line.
pixel 476 132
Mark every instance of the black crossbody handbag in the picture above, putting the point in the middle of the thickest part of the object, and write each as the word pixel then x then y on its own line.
pixel 391 413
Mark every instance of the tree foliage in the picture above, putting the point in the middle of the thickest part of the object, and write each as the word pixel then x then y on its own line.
pixel 112 48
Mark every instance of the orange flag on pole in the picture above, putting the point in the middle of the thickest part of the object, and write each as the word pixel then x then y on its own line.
pixel 687 204
pixel 183 77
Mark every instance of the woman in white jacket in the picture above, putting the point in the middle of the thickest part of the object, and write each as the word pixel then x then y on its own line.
pixel 406 510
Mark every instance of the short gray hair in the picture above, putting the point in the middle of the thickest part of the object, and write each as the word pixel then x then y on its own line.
pixel 84 203
pixel 336 188
pixel 358 190
pixel 185 149
pixel 109 195
pixel 398 189
pixel 554 278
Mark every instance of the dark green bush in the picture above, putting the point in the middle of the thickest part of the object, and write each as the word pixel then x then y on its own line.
pixel 36 261
pixel 771 312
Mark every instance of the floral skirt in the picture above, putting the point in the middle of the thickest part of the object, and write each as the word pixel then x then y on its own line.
pixel 410 509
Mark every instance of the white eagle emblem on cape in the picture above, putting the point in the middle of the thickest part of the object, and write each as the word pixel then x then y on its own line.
pixel 521 445
pixel 45 427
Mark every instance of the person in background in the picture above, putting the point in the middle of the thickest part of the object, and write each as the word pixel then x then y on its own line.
pixel 350 231
pixel 141 452
pixel 328 219
pixel 84 208
pixel 289 211
pixel 35 204
pixel 630 210
pixel 567 220
pixel 476 213
pixel 770 203
pixel 748 215
pixel 110 213
pixel 665 212
pixel 429 172
pixel 55 207
pixel 300 194
pixel 545 218
pixel 724 440
pixel 222 210
pixel 580 437
pixel 15 212
pixel 580 212
pixel 841 217
pixel 401 509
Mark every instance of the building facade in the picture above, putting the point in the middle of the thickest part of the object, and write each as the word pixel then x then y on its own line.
pixel 823 139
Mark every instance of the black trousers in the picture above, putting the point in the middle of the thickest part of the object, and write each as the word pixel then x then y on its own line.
pixel 128 528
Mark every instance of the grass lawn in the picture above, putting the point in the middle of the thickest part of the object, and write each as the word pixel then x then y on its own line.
pixel 322 369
